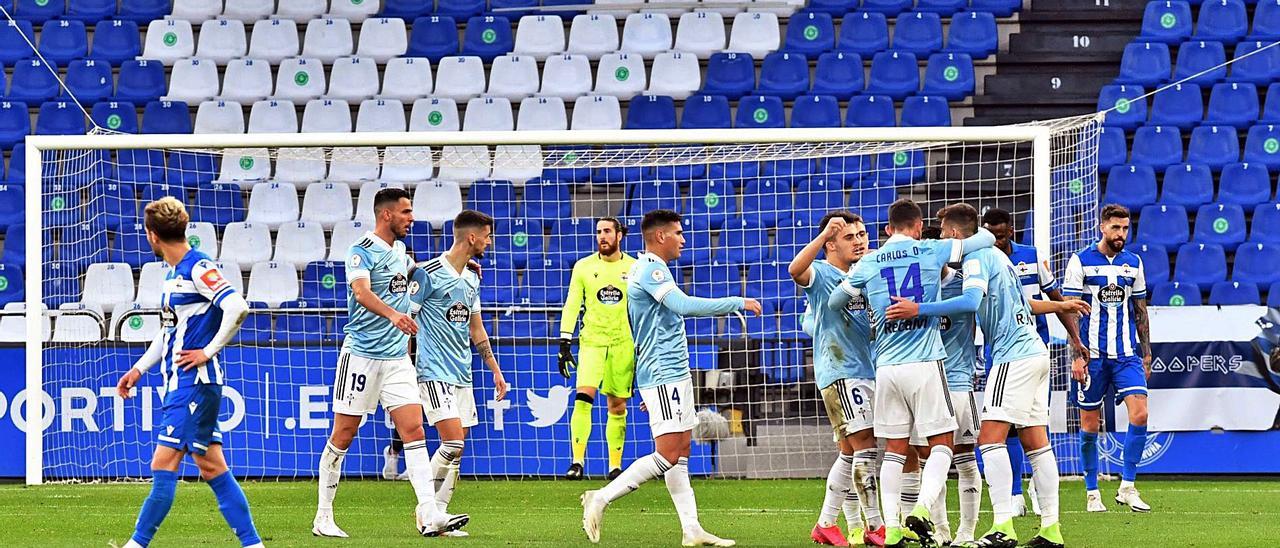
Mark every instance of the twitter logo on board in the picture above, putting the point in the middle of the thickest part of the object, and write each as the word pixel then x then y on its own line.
pixel 548 410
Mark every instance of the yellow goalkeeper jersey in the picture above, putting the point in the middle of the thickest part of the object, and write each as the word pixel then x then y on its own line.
pixel 601 287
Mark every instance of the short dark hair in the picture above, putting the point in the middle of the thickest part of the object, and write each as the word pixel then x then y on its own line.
pixel 1113 211
pixel 658 218
pixel 617 225
pixel 903 213
pixel 389 196
pixel 996 216
pixel 470 218
pixel 931 232
pixel 961 215
pixel 849 217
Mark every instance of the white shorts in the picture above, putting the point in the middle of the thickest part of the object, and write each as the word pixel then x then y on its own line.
pixel 443 401
pixel 362 382
pixel 850 405
pixel 912 399
pixel 966 407
pixel 670 407
pixel 1018 392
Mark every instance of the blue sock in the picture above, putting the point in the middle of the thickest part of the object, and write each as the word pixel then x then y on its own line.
pixel 1089 454
pixel 164 484
pixel 1134 442
pixel 1016 458
pixel 235 508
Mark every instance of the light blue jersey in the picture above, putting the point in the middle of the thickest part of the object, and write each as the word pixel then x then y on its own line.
pixel 841 340
pixel 958 333
pixel 1008 327
pixel 190 316
pixel 443 300
pixel 656 307
pixel 386 266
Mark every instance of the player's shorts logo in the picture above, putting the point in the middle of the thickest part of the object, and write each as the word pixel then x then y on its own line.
pixel 1111 294
pixel 609 295
pixel 399 284
pixel 457 313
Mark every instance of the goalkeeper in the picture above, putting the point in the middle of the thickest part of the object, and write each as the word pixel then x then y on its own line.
pixel 598 288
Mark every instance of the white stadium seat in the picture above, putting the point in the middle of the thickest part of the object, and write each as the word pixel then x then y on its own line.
pixel 566 76
pixel 542 113
pixel 437 202
pixel 219 117
pixel 345 234
pixel 300 243
pixel 597 112
pixel 516 163
pixel 232 273
pixel 274 40
pixel 621 75
pixel 151 283
pixel 488 114
pixel 354 165
pixel 465 163
pixel 326 116
pixel 460 78
pixel 244 166
pixel 222 40
pixel 327 204
pixel 657 6
pixel 195 11
pixel 271 204
pixel 593 35
pixel 780 8
pixel 78 323
pixel 328 39
pixel 301 165
pixel 202 237
pixel 382 39
pixel 13 328
pixel 299 80
pixel 756 33
pixel 355 11
pixel 364 203
pixel 244 244
pixel 435 114
pixel 247 11
pixel 726 8
pixel 406 164
pixel 273 283
pixel 107 284
pixel 301 11
pixel 251 81
pixel 192 81
pixel 513 77
pixel 539 36
pixel 138 328
pixel 646 34
pixel 677 74
pixel 381 115
pixel 353 79
pixel 169 40
pixel 700 33
pixel 271 116
pixel 407 79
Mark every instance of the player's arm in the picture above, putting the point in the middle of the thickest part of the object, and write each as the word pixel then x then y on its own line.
pixel 1052 288
pixel 1066 311
pixel 145 362
pixel 801 267
pixel 211 284
pixel 1073 290
pixel 569 320
pixel 480 338
pixel 981 239
pixel 358 276
pixel 657 283
pixel 975 287
pixel 849 288
pixel 1141 320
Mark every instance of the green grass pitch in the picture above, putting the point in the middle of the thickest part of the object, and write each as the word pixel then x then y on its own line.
pixel 546 513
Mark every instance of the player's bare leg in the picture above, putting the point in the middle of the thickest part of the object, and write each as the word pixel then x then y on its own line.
pixel 445 465
pixel 1135 441
pixel 330 473
pixel 418 464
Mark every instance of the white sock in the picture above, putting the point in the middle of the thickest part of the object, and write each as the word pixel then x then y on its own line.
pixel 891 477
pixel 1125 484
pixel 910 492
pixel 641 470
pixel 444 494
pixel 995 458
pixel 970 487
pixel 1044 474
pixel 442 463
pixel 864 482
pixel 839 484
pixel 852 508
pixel 682 495
pixel 938 514
pixel 933 480
pixel 417 464
pixel 330 474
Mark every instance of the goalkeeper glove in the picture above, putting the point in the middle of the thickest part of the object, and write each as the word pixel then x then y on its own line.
pixel 566 358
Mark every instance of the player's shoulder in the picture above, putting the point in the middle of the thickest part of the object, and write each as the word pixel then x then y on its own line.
pixel 586 262
pixel 194 261
pixel 1126 257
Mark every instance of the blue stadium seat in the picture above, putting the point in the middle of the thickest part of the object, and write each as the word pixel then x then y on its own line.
pixel 17 173
pixel 733 170
pixel 1220 224
pixel 218 203
pixel 33 82
pixel 864 33
pixel 519 239
pixel 62 41
pixel 1266 21
pixel 166 117
pixel 487 37
pixel 919 33
pixel 1197 57
pixel 1202 264
pixel 1175 294
pixel 809 33
pixel 617 175
pixel 143 10
pixel 651 112
pixel 1256 263
pixel 706 112
pixel 116 41
pixel 15 123
pixel 1131 186
pixel 760 111
pixel 949 75
pixel 1234 293
pixel 1181 106
pixel 925 111
pixel 1245 185
pixel 15 245
pixel 1145 64
pixel 974 33
pixel 815 111
pixel 819 195
pixel 1266 223
pixel 91 11
pixel 188 169
pixel 421 240
pixel 767 201
pixel 784 75
pixel 527 325
pixel 790 170
pixel 325 283
pixel 1262 68
pixel 573 238
pixel 1001 8
pixel 37 11
pixel 714 200
pixel 943 7
pixel 495 197
pixel 770 282
pixel 62 282
pixel 894 73
pixel 1187 185
pixel 545 284
pixel 1233 104
pixel 257 326
pixel 1262 145
pixel 90 80
pixel 1157 146
pixel 646 196
pixel 433 37
pixel 887 7
pixel 1224 21
pixel 406 9
pixel 1168 22
pixel 757 327
pixel 81 246
pixel 729 74
pixel 1155 262
pixel 835 8
pixel 12 205
pixel 1126 109
pixel 141 82
pixel 1164 225
pixel 60 118
pixel 1271 109
pixel 140 165
pixel 121 117
pixel 131 247
pixel 697 248
pixel 299 329
pixel 839 74
pixel 154 191
pixel 1112 149
pixel 13 41
pixel 462 9
pixel 14 288
pixel 744 242
pixel 547 200
pixel 1214 146
pixel 501 283
pixel 509 5
pixel 900 168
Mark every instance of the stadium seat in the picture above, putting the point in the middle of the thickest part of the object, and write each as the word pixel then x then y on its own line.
pixel 488 114
pixel 549 201
pixel 700 33
pixel 834 8
pixel 272 204
pixel 1223 21
pixel 325 283
pixel 784 75
pixel 1245 185
pixel 364 201
pixel 60 118
pixel 300 243
pixel 246 244
pixel 385 115
pixel 871 111
pixel 544 284
pixel 193 81
pixel 760 111
pixel 1001 8
pixel 646 34
pixel 593 35
pixel 518 241
pixel 222 40
pixel 345 234
pixel 887 7
pixel 744 241
pixel 245 166
pixel 513 77
pixel 13 285
pixel 274 40
pixel 1164 225
pixel 863 33
pixel 421 243
pixel 651 112
pixel 272 283
pixel 1261 68
pixel 646 196
pixel 461 9
pixel 596 112
pixel 12 204
pixel 566 76
pixel 810 111
pixel 1255 262
pixel 1145 64
pixel 1262 145
pixel 202 237
pixel 196 11
pixel 354 165
pixel 925 111
pixel 487 37
pixel 91 11
pixel 754 33
pixel 14 37
pixel 15 123
pixel 809 33
pixel 1125 108
pixel 353 79
pixel 36 11
pixel 437 202
pixel 711 281
pixel 302 11
pixel 1175 294
pixel 1233 104
pixel 698 248
pixel 130 247
pixel 407 79
pixel 1157 146
pixel 141 82
pixel 838 74
pixel 434 114
pixel 300 80
pixel 818 195
pixel 1202 264
pixel 919 33
pixel 895 74
pixel 1168 22
pixel 1197 57
pixel 119 117
pixel 706 112
pixel 327 40
pixel 273 117
pixel 729 74
pixel 168 40
pixel 113 41
pixel 253 81
pixel 1187 185
pixel 219 117
pixel 1214 146
pixel 539 36
pixel 143 10
pixel 460 78
pixel 497 198
pixel 1155 262
pixel 675 74
pixel 64 40
pixel 249 11
pixel 382 39
pixel 770 283
pixel 1220 224
pixel 33 82
pixel 77 322
pixel 17 164
pixel 433 37
pixel 621 75
pixel 1266 21
pixel 326 116
pixel 974 33
pixel 713 200
pixel 542 113
pixel 949 75
pixel 1234 293
pixel 327 204
pixel 407 9
pixel 107 285
pixel 218 205
pixel 1271 109
pixel 90 80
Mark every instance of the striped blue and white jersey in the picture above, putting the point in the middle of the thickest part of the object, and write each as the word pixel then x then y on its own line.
pixel 958 334
pixel 1036 277
pixel 189 318
pixel 1008 327
pixel 386 266
pixel 841 341
pixel 443 301
pixel 1109 285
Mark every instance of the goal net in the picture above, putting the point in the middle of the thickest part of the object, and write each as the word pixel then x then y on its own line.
pixel 279 212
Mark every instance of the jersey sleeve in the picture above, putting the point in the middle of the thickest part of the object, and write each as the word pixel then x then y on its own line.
pixel 945 251
pixel 858 278
pixel 475 303
pixel 1073 278
pixel 209 282
pixel 976 273
pixel 359 260
pixel 1048 282
pixel 572 302
pixel 655 280
pixel 419 287
pixel 1140 282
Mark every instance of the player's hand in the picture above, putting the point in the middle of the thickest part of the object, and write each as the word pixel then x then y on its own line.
pixel 1075 306
pixel 1146 365
pixel 1079 351
pixel 753 306
pixel 500 386
pixel 1078 371
pixel 834 227
pixel 566 359
pixel 902 309
pixel 127 382
pixel 191 359
pixel 475 267
pixel 405 324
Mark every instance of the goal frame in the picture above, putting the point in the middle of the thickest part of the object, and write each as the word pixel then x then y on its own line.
pixel 1041 176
